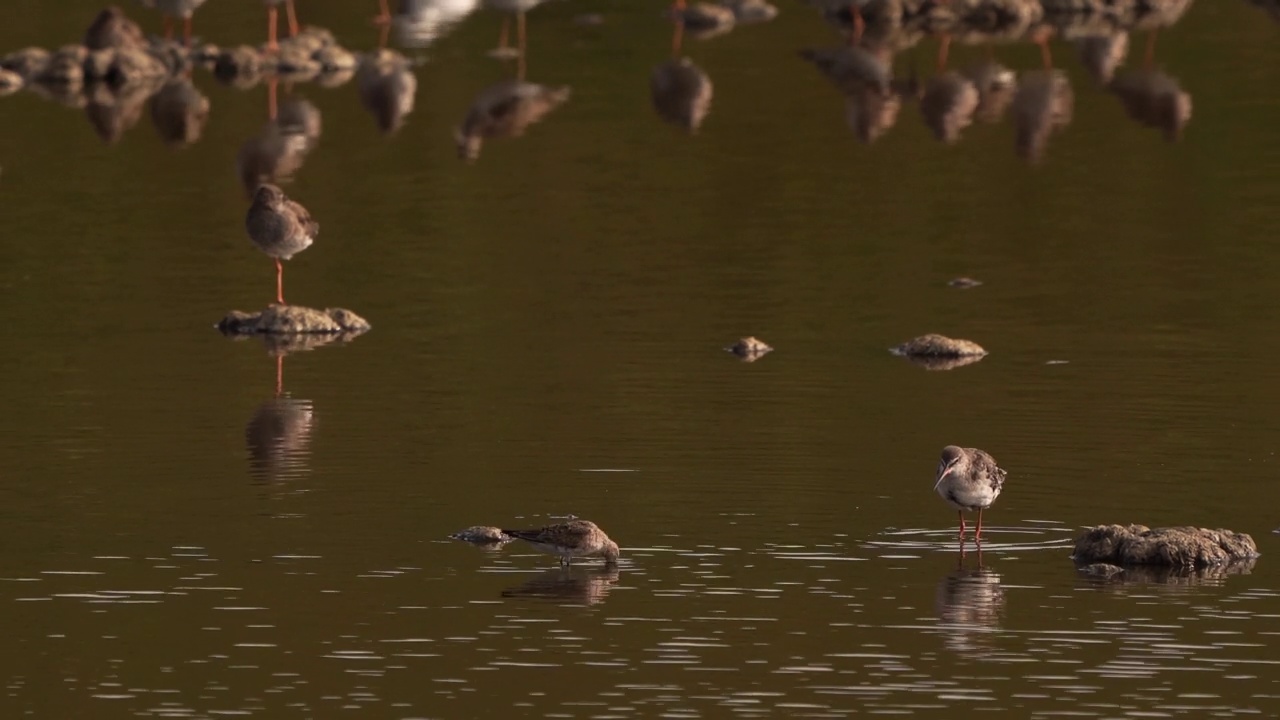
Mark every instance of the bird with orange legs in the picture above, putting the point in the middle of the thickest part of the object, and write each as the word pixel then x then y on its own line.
pixel 273 20
pixel 171 9
pixel 279 227
pixel 968 479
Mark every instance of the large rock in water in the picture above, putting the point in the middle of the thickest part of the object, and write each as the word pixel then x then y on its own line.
pixel 1185 547
pixel 293 320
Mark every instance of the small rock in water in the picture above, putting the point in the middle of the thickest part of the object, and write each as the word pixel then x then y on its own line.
pixel 964 283
pixel 749 349
pixel 1186 547
pixel 482 535
pixel 589 19
pixel 939 346
pixel 1056 362
pixel 9 81
pixel 293 319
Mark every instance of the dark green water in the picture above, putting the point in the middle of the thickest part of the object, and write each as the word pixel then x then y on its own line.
pixel 557 309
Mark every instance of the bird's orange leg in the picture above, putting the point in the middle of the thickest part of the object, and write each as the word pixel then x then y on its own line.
pixel 279 281
pixel 977 535
pixel 944 49
pixel 293 18
pixel 1149 56
pixel 186 32
pixel 859 24
pixel 502 34
pixel 168 27
pixel 960 513
pixel 279 374
pixel 384 13
pixel 272 20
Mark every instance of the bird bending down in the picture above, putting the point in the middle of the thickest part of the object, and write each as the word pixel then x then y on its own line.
pixel 968 479
pixel 280 228
pixel 573 539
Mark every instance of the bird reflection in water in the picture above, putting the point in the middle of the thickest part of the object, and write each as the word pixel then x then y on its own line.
pixel 506 109
pixel 387 87
pixel 278 150
pixel 578 585
pixel 1043 104
pixel 114 110
pixel 179 112
pixel 278 436
pixel 681 91
pixel 863 74
pixel 1152 98
pixel 970 603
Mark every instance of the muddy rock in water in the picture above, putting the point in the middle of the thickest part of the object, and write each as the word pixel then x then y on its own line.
pixel 1170 547
pixel 291 320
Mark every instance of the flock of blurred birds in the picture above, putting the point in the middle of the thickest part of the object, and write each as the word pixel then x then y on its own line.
pixel 117 69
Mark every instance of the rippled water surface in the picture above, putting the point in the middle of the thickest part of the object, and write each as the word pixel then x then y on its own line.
pixel 188 529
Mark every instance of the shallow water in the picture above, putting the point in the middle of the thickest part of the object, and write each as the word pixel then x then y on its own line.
pixel 179 539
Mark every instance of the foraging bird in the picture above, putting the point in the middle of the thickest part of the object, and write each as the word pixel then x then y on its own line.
pixel 280 228
pixel 576 538
pixel 968 479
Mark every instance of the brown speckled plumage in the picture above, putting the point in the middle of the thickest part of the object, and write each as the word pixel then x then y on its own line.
pixel 969 480
pixel 279 227
pixel 576 538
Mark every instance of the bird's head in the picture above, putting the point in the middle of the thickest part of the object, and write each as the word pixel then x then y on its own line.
pixel 952 457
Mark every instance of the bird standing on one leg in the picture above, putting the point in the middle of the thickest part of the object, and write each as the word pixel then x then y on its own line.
pixel 968 479
pixel 280 228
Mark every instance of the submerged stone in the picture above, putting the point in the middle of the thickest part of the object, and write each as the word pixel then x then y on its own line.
pixel 964 283
pixel 1180 547
pixel 293 320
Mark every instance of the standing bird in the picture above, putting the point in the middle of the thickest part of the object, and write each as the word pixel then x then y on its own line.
pixel 273 20
pixel 576 538
pixel 171 9
pixel 968 479
pixel 280 228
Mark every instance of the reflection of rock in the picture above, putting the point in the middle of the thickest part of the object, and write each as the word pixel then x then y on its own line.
pixel 387 88
pixel 1155 575
pixel 939 346
pixel 681 93
pixel 1102 54
pixel 113 112
pixel 277 437
pixel 66 66
pixel 240 67
pixel 970 602
pixel 996 85
pixel 749 349
pixel 292 320
pixel 948 104
pixel 484 535
pixel 1042 105
pixel 1174 547
pixel 28 62
pixel 179 113
pixel 937 363
pixel 1154 99
pixel 505 110
pixel 587 586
